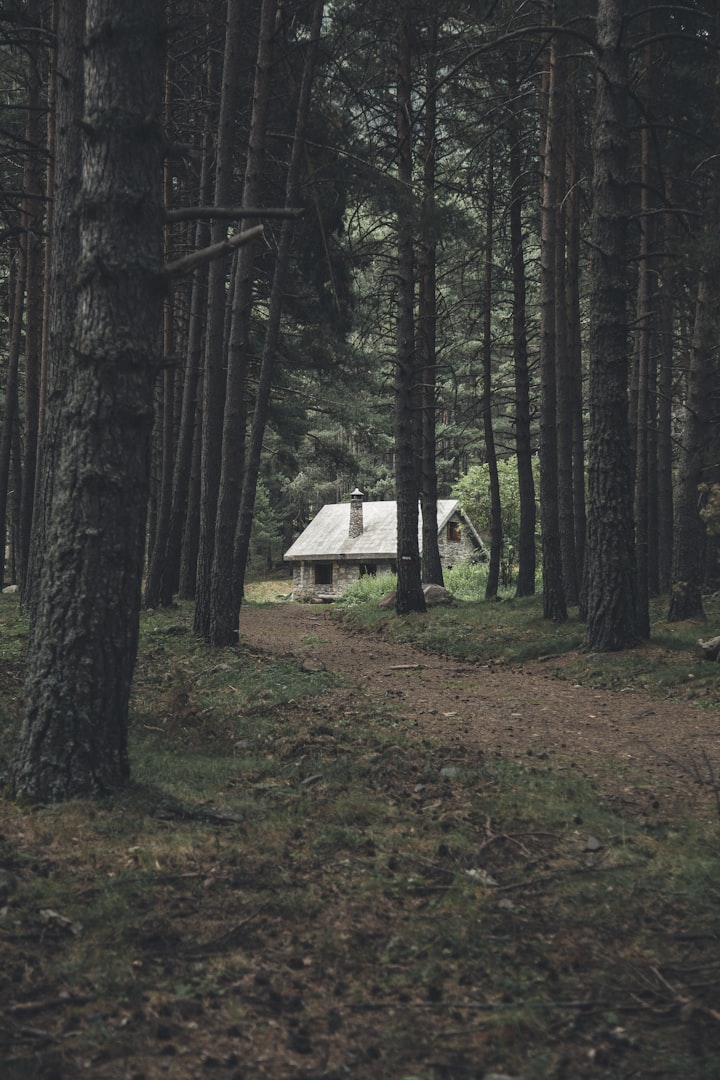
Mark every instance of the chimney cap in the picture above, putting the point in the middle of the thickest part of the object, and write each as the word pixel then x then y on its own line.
pixel 357 494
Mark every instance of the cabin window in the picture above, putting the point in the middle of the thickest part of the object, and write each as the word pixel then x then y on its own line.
pixel 368 569
pixel 323 573
pixel 454 532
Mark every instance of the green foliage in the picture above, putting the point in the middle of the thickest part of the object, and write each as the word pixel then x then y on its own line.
pixel 473 491
pixel 369 589
pixel 466 581
pixel 266 540
pixel 14 629
pixel 710 508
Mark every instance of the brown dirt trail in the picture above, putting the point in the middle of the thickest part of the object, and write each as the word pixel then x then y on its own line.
pixel 641 746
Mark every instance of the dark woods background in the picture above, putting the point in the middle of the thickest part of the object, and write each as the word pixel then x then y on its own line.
pixel 506 254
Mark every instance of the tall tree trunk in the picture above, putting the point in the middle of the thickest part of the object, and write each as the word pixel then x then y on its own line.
pixel 554 604
pixel 83 635
pixel 564 359
pixel 34 189
pixel 272 332
pixel 10 429
pixel 50 140
pixel 574 334
pixel 65 248
pixel 431 565
pixel 643 336
pixel 187 578
pixel 666 303
pixel 224 604
pixel 214 372
pixel 688 565
pixel 409 595
pixel 163 578
pixel 610 577
pixel 496 533
pixel 523 442
pixel 164 435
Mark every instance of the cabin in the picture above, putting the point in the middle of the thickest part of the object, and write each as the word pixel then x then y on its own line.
pixel 345 541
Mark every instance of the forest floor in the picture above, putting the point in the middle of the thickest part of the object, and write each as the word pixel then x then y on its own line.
pixel 344 858
pixel 533 709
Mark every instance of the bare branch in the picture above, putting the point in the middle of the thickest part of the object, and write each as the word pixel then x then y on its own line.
pixel 213 251
pixel 229 213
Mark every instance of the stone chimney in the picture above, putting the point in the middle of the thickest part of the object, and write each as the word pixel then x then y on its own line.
pixel 356 514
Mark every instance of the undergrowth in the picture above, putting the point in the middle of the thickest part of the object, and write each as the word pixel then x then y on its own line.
pixel 298 886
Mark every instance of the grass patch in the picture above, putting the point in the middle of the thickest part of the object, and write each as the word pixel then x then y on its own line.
pixel 513 632
pixel 295 887
pixel 510 631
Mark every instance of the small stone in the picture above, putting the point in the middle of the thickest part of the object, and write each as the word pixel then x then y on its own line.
pixel 708 650
pixel 481 876
pixel 593 844
pixel 436 594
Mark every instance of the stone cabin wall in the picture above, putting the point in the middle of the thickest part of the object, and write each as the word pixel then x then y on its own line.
pixel 344 572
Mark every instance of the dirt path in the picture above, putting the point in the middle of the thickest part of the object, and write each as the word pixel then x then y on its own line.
pixel 642 749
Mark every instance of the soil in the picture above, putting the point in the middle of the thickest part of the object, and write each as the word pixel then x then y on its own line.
pixel 640 745
pixel 326 963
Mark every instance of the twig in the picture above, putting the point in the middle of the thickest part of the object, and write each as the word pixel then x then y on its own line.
pixel 483 1006
pixel 229 213
pixel 213 251
pixel 26 1007
pixel 33 1033
pixel 228 938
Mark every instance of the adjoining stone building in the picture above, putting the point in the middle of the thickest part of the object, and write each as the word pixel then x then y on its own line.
pixel 345 541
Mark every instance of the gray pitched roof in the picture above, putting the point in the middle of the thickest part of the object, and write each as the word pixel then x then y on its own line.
pixel 326 537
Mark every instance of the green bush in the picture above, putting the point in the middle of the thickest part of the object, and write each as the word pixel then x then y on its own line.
pixel 369 588
pixel 467 581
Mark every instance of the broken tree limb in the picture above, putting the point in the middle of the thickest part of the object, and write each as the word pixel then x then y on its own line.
pixel 213 251
pixel 229 213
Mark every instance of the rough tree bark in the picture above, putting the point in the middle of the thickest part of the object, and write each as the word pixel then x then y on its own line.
pixel 496 533
pixel 525 585
pixel 224 605
pixel 564 359
pixel 688 564
pixel 214 373
pixel 432 571
pixel 83 634
pixel 574 328
pixel 163 578
pixel 272 333
pixel 610 556
pixel 34 189
pixel 554 605
pixel 409 595
pixel 643 336
pixel 64 248
pixel 698 460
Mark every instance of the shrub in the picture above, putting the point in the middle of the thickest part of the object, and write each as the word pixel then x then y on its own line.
pixel 467 581
pixel 369 588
